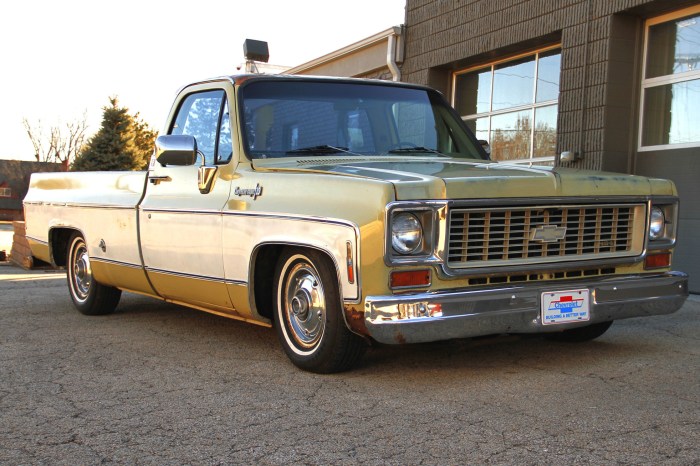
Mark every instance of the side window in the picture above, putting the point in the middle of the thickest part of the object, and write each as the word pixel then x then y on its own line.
pixel 199 116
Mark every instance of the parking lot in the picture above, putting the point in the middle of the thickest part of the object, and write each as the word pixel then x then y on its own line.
pixel 158 383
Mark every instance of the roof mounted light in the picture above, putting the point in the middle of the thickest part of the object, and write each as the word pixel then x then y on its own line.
pixel 256 50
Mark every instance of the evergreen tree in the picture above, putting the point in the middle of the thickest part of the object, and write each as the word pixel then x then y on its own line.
pixel 123 142
pixel 144 142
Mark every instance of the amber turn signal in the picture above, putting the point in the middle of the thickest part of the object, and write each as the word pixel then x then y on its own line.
pixel 412 278
pixel 657 261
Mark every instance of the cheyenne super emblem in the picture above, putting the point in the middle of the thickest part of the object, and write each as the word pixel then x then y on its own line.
pixel 252 192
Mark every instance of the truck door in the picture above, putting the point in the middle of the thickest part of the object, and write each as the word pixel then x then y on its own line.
pixel 181 224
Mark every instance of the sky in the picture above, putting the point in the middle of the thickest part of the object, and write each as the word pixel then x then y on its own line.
pixel 60 59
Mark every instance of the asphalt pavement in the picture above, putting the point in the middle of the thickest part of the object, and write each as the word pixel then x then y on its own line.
pixel 155 383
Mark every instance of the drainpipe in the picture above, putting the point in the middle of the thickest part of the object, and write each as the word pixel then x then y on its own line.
pixel 584 103
pixel 391 57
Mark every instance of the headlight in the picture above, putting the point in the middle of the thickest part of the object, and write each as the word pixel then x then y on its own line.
pixel 406 233
pixel 656 223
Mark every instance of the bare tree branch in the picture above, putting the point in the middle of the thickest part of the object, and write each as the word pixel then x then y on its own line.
pixel 61 144
pixel 35 136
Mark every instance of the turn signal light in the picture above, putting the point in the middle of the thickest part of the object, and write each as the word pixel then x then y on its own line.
pixel 412 278
pixel 657 261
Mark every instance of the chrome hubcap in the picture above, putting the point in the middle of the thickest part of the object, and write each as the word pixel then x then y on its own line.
pixel 305 305
pixel 82 273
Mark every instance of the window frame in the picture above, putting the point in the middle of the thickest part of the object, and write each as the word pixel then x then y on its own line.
pixel 659 81
pixel 5 191
pixel 222 104
pixel 532 107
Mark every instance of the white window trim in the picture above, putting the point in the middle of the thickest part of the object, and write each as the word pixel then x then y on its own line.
pixel 532 107
pixel 663 80
pixel 5 192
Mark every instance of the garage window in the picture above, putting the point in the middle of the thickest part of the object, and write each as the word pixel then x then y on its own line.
pixel 671 84
pixel 513 105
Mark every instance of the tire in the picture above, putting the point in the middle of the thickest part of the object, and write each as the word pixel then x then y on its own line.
pixel 308 316
pixel 580 334
pixel 89 297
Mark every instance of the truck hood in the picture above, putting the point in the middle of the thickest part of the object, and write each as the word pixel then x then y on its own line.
pixel 461 179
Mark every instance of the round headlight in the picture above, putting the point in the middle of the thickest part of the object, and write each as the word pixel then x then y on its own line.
pixel 406 233
pixel 656 224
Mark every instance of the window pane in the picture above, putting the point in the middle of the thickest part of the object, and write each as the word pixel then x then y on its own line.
pixel 473 92
pixel 548 76
pixel 198 116
pixel 673 47
pixel 545 131
pixel 480 127
pixel 671 113
pixel 513 83
pixel 510 135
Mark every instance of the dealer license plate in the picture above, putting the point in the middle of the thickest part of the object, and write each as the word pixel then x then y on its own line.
pixel 559 307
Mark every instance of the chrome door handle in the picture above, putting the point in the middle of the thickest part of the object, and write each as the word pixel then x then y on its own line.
pixel 158 179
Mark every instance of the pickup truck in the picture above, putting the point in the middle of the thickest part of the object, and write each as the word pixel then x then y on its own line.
pixel 344 212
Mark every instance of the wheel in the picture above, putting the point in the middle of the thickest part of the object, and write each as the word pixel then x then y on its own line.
pixel 580 334
pixel 308 317
pixel 89 297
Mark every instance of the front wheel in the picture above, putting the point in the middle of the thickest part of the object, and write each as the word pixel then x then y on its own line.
pixel 308 315
pixel 89 297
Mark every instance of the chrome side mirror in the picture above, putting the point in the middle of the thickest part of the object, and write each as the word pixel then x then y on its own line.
pixel 174 149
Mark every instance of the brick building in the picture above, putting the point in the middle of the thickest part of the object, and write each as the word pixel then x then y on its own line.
pixel 14 183
pixel 615 84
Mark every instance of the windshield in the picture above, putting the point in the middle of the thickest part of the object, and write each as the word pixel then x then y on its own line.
pixel 313 118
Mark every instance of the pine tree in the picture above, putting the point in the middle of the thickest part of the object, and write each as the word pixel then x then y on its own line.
pixel 123 142
pixel 144 141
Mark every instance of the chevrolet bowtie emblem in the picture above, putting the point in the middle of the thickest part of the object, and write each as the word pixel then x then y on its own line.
pixel 547 233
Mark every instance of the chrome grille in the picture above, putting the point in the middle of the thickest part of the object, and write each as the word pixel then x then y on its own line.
pixel 528 235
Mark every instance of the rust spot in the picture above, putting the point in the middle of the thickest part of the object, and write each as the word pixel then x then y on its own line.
pixel 356 320
pixel 400 339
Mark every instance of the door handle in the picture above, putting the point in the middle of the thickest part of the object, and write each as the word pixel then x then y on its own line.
pixel 158 179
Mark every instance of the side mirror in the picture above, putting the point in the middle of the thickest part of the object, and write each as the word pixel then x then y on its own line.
pixel 176 150
pixel 485 145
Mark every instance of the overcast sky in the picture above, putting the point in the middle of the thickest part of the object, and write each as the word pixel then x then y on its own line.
pixel 59 59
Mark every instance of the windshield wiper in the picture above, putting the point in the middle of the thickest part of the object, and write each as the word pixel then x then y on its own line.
pixel 415 150
pixel 322 149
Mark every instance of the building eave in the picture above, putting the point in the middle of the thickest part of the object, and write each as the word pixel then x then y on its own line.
pixel 347 50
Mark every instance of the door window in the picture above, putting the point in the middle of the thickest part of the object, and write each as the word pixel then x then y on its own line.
pixel 205 116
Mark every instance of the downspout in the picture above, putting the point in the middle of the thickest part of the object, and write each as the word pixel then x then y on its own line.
pixel 584 103
pixel 391 55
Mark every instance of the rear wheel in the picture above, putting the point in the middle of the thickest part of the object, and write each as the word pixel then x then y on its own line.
pixel 89 297
pixel 580 334
pixel 308 315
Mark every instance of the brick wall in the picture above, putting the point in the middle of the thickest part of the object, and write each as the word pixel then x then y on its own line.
pixel 601 46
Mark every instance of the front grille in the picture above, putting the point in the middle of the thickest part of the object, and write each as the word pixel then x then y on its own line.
pixel 530 235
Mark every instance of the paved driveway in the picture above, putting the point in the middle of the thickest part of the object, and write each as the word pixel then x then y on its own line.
pixel 156 383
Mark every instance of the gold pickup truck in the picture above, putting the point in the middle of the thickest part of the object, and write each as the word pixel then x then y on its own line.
pixel 343 212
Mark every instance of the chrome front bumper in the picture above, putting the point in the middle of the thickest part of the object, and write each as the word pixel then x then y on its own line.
pixel 516 308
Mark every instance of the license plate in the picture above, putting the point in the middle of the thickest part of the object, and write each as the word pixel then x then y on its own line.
pixel 559 307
